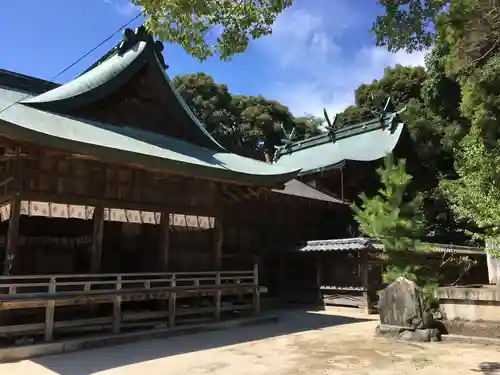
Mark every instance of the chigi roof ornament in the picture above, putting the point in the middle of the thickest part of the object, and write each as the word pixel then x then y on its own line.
pixel 286 142
pixel 140 34
pixel 332 125
pixel 388 108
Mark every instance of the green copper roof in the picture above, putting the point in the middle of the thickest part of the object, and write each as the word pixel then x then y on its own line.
pixel 42 115
pixel 131 146
pixel 113 71
pixel 367 141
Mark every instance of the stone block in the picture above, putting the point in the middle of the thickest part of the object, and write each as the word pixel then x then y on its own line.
pixel 400 304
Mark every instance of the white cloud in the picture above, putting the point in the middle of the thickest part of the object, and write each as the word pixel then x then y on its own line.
pixel 124 7
pixel 317 72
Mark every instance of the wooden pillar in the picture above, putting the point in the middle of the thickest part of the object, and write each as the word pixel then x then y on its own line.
pixel 218 297
pixel 164 243
pixel 172 303
pixel 12 236
pixel 319 280
pixel 256 292
pixel 365 282
pixel 95 264
pixel 49 312
pixel 117 307
pixel 218 238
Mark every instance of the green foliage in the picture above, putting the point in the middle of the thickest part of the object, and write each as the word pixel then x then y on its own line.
pixel 394 219
pixel 408 24
pixel 241 123
pixel 401 83
pixel 473 61
pixel 193 23
pixel 461 93
pixel 435 131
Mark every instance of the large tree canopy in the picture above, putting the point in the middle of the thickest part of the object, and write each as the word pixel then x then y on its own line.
pixel 206 28
pixel 462 90
pixel 244 124
pixel 408 24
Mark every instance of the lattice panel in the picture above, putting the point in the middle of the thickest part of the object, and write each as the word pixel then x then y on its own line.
pixel 240 238
pixel 192 238
pixel 246 238
pixel 230 237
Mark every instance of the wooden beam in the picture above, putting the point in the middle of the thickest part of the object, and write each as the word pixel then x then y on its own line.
pixel 255 193
pixel 229 193
pixel 96 254
pixel 12 236
pixel 164 242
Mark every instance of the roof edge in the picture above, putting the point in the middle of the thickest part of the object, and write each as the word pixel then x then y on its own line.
pixel 387 120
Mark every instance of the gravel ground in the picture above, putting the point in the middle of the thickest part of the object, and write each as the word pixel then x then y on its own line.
pixel 335 342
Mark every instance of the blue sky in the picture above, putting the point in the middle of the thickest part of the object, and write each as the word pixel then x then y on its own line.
pixel 320 50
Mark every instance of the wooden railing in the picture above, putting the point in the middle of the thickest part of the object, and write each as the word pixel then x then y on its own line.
pixel 51 291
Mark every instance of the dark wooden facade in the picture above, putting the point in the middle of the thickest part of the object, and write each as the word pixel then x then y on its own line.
pixel 246 225
pixel 349 272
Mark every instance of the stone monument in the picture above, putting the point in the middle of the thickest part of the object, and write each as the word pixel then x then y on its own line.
pixel 403 313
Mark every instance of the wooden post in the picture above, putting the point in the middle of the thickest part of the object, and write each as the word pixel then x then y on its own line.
pixel 282 276
pixel 49 312
pixel 171 304
pixel 219 235
pixel 164 243
pixel 218 297
pixel 256 292
pixel 365 282
pixel 319 281
pixel 117 307
pixel 12 236
pixel 95 265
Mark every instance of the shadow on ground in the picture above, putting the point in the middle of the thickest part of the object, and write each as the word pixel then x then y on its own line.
pixel 489 368
pixel 91 361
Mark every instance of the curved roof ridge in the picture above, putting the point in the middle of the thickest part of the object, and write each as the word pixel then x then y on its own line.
pixel 114 70
pixel 93 85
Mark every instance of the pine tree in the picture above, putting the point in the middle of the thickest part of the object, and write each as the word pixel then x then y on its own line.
pixel 395 219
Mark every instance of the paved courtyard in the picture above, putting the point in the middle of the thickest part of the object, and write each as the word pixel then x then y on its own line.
pixel 336 342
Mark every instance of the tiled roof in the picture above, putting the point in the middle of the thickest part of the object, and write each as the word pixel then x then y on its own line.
pixel 362 243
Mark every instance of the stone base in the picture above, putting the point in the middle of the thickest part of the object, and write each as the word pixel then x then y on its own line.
pixel 409 334
pixel 473 329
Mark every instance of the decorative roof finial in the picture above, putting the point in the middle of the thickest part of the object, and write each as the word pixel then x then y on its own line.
pixel 332 125
pixel 288 140
pixel 388 108
pixel 132 37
